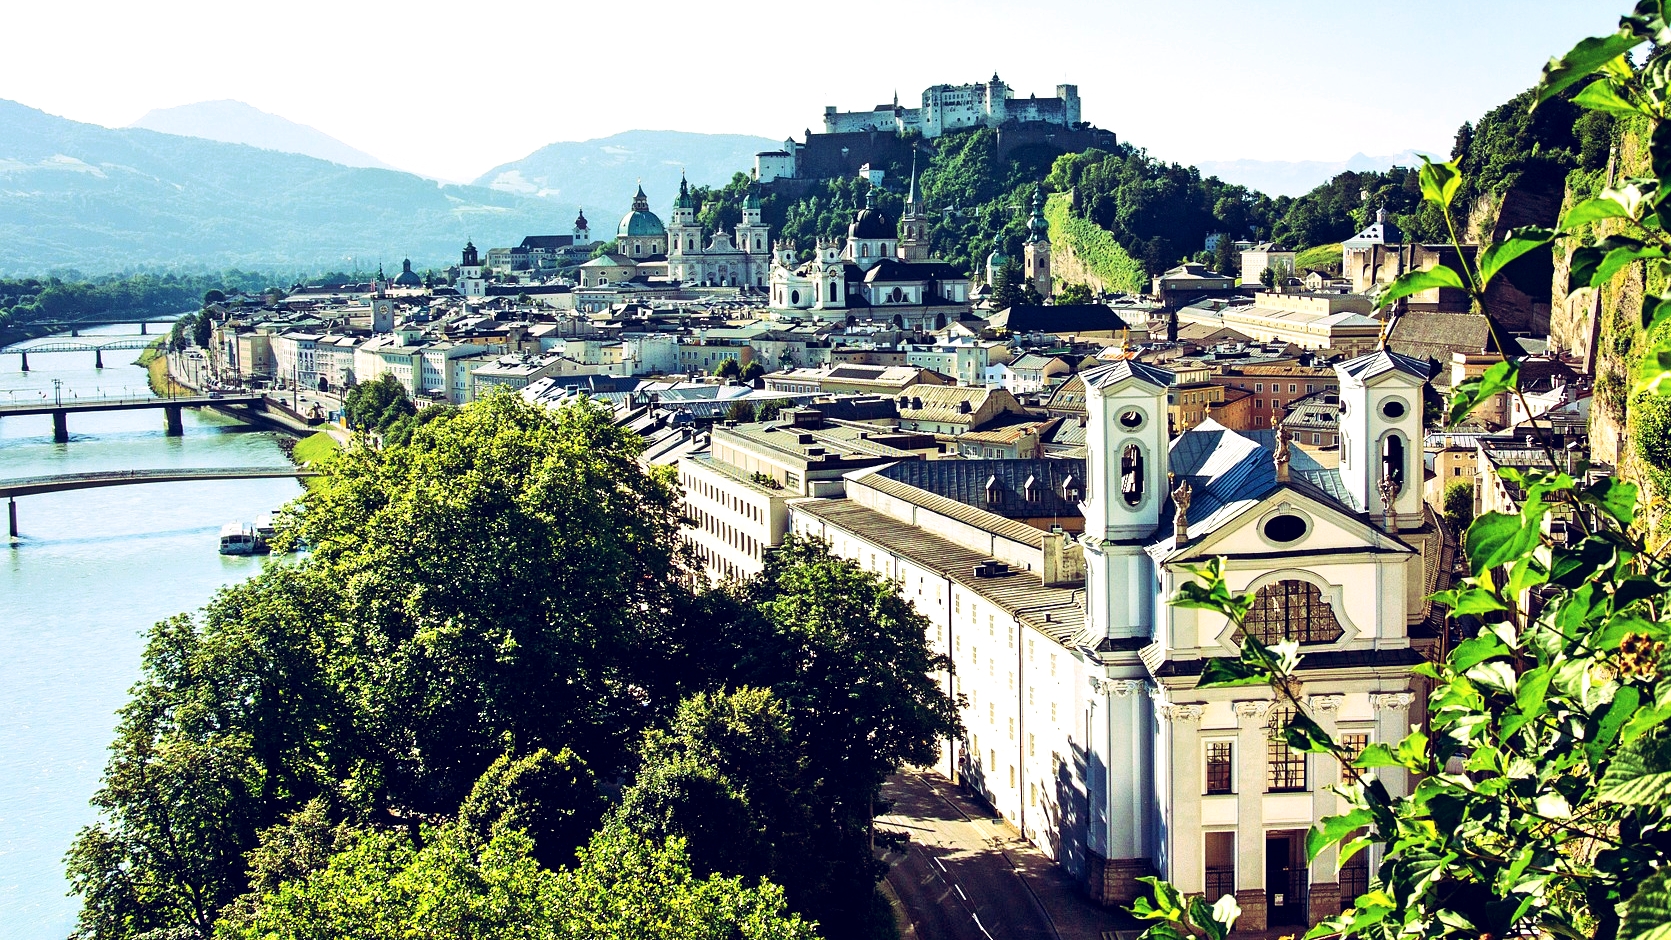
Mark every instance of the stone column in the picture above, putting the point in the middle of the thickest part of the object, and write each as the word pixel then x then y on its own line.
pixel 1323 883
pixel 1392 723
pixel 1250 813
pixel 1130 767
pixel 1182 734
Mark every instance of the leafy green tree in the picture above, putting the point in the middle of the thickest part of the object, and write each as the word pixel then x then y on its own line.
pixel 379 404
pixel 1267 277
pixel 728 369
pixel 740 411
pixel 202 330
pixel 1459 505
pixel 552 797
pixel 754 370
pixel 1007 291
pixel 1073 294
pixel 1544 799
pixel 1224 256
pixel 213 296
pixel 770 411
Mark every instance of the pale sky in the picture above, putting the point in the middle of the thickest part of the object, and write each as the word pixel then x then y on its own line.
pixel 452 89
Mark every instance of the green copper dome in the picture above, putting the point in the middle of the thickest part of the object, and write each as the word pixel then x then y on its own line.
pixel 685 200
pixel 640 222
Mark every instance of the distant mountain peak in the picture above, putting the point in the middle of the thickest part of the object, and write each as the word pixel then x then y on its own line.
pixel 235 122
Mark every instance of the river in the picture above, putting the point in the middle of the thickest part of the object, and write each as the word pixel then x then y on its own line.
pixel 93 570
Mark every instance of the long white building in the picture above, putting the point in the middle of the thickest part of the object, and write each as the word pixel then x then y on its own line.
pixel 955 107
pixel 1083 722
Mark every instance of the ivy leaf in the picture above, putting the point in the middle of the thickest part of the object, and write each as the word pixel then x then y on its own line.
pixel 1470 653
pixel 1654 372
pixel 1332 829
pixel 1440 181
pixel 1617 259
pixel 1583 60
pixel 1648 913
pixel 1496 256
pixel 1603 95
pixel 1614 497
pixel 1529 695
pixel 1640 773
pixel 1469 601
pixel 1306 736
pixel 1415 282
pixel 1471 393
pixel 1593 210
pixel 1224 671
pixel 1497 539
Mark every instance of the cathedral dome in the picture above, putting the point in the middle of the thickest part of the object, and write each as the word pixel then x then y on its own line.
pixel 407 277
pixel 871 222
pixel 640 222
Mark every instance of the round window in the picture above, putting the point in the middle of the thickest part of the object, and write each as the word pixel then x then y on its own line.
pixel 1393 408
pixel 1131 419
pixel 1345 406
pixel 1285 528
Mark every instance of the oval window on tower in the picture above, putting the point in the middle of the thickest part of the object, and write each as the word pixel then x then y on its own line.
pixel 1393 408
pixel 1131 419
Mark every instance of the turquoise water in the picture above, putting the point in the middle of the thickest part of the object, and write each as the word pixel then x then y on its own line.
pixel 94 569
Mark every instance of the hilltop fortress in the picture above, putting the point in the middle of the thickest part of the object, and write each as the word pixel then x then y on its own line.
pixel 852 139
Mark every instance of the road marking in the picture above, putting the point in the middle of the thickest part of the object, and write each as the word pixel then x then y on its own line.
pixel 981 926
pixel 959 890
pixel 941 864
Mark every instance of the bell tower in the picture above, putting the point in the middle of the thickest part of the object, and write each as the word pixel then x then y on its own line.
pixel 913 226
pixel 1381 435
pixel 1036 253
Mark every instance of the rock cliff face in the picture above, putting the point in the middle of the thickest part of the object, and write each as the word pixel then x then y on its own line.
pixel 1603 327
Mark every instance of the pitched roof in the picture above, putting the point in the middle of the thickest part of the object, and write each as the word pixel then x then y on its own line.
pixel 1104 376
pixel 969 481
pixel 944 403
pixel 1381 361
pixel 1059 318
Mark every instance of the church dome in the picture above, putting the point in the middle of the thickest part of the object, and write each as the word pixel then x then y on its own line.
pixel 640 222
pixel 407 277
pixel 871 222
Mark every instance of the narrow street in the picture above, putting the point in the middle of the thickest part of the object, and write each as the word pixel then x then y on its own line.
pixel 967 876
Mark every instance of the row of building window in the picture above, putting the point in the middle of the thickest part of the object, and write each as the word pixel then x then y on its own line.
pixel 1219 856
pixel 1285 767
pixel 692 484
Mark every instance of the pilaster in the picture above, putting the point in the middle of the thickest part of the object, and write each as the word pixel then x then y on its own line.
pixel 1392 723
pixel 1250 812
pixel 1184 856
pixel 1323 897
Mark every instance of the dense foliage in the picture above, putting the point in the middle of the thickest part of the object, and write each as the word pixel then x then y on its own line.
pixel 69 297
pixel 1543 798
pixel 424 726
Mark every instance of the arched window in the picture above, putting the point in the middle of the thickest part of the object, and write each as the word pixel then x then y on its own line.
pixel 832 291
pixel 794 297
pixel 1131 474
pixel 1392 458
pixel 1290 610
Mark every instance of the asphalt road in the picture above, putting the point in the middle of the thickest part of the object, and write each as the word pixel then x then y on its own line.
pixel 955 880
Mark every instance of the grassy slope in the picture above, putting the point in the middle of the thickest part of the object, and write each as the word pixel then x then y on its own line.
pixel 314 448
pixel 1095 247
pixel 1323 256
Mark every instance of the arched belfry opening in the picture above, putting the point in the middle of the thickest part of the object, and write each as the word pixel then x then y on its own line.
pixel 1131 474
pixel 1392 459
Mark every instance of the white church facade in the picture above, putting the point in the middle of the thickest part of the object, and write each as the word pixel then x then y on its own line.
pixel 1084 725
pixel 882 271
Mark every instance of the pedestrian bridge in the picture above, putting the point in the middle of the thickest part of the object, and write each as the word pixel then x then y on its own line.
pixel 10 490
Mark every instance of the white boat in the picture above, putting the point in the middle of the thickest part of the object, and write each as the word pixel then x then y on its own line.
pixel 239 538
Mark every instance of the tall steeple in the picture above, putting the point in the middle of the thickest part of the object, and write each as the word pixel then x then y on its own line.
pixel 913 228
pixel 1036 253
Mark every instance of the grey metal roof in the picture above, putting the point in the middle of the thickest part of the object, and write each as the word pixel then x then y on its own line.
pixel 1227 473
pixel 1369 365
pixel 1104 376
pixel 967 481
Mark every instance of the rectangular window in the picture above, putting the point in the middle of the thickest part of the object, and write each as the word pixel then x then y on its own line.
pixel 1290 388
pixel 1354 874
pixel 1354 743
pixel 1221 865
pixel 1259 386
pixel 1219 757
pixel 1285 766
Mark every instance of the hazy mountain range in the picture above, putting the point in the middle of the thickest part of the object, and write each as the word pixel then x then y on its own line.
pixel 604 172
pixel 220 183
pixel 1298 177
pixel 234 122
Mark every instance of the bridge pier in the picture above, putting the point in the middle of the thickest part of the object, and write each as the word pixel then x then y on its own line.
pixel 24 355
pixel 75 332
pixel 11 512
pixel 60 427
pixel 171 421
pixel 98 358
pixel 142 328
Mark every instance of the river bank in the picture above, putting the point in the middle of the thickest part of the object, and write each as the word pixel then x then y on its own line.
pixel 155 361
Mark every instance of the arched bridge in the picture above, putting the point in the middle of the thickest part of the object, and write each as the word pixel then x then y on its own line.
pixel 10 490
